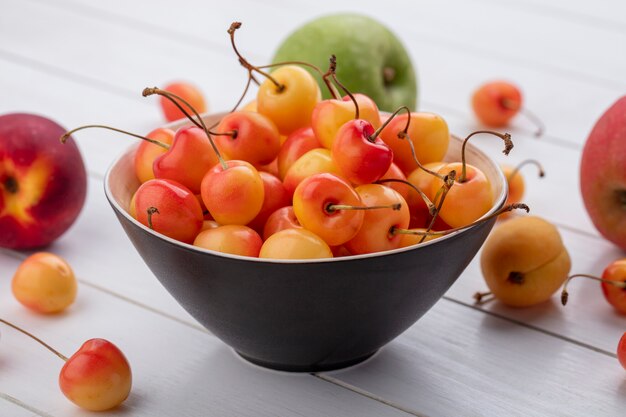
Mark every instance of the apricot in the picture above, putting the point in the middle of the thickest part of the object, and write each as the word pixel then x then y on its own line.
pixel 524 261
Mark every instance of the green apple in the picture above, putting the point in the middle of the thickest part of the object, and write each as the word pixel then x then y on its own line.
pixel 370 58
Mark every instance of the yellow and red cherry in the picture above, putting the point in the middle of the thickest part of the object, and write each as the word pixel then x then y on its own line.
pixel 169 208
pixel 376 233
pixel 613 283
pixel 233 239
pixel 329 115
pixel 395 178
pixel 275 197
pixel 297 144
pixel 44 283
pixel 422 180
pixel 329 207
pixel 271 168
pixel 147 152
pixel 254 138
pixel 297 243
pixel 209 224
pixel 495 103
pixel 97 377
pixel 290 104
pixel 516 181
pixel 233 192
pixel 189 93
pixel 315 161
pixel 281 219
pixel 408 239
pixel 250 106
pixel 428 133
pixel 190 156
pixel 621 351
pixel 361 156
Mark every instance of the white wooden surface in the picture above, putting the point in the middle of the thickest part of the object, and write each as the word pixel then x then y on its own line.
pixel 87 61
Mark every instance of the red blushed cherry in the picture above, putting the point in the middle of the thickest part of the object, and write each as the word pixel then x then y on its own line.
pixel 232 239
pixel 376 233
pixel 188 159
pixel 233 192
pixel 275 197
pixel 621 351
pixel 281 219
pixel 297 144
pixel 97 377
pixel 613 284
pixel 398 182
pixel 147 152
pixel 169 208
pixel 360 155
pixel 328 206
pixel 315 161
pixel 256 138
pixel 189 93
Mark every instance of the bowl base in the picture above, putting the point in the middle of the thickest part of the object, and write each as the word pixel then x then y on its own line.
pixel 315 367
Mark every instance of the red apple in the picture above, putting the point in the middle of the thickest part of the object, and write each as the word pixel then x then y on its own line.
pixel 43 182
pixel 603 176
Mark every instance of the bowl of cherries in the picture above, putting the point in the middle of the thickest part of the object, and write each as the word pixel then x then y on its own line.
pixel 306 233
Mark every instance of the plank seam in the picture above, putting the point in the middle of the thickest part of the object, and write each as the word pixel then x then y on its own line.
pixel 23 405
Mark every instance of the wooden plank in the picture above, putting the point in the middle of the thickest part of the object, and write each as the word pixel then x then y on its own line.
pixel 176 370
pixel 460 362
pixel 13 407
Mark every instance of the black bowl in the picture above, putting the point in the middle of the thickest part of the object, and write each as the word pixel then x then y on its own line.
pixel 308 315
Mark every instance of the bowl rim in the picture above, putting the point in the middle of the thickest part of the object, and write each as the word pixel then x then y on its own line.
pixel 498 203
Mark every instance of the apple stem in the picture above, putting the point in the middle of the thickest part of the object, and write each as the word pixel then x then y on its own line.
pixel 331 69
pixel 67 134
pixel 565 294
pixel 504 209
pixel 199 122
pixel 509 104
pixel 247 65
pixel 479 297
pixel 44 344
pixel 431 207
pixel 526 162
pixel 151 211
pixel 508 145
pixel 331 208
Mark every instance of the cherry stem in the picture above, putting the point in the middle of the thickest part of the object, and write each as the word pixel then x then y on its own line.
pixel 47 346
pixel 526 162
pixel 565 294
pixel 331 69
pixel 431 207
pixel 443 191
pixel 508 104
pixel 389 119
pixel 67 134
pixel 479 297
pixel 331 208
pixel 244 62
pixel 508 145
pixel 151 211
pixel 504 209
pixel 174 99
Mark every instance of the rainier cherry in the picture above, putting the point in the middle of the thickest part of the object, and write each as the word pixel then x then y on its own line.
pixel 315 161
pixel 497 102
pixel 147 152
pixel 97 377
pixel 233 239
pixel 297 144
pixel 295 244
pixel 516 181
pixel 281 219
pixel 45 283
pixel 190 93
pixel 621 351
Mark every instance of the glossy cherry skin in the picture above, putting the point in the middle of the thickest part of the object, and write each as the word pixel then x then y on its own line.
pixel 257 140
pixel 281 219
pixel 395 173
pixel 376 234
pixel 427 131
pixel 189 93
pixel 466 201
pixel 188 159
pixel 361 158
pixel 295 244
pixel 329 115
pixel 275 197
pixel 496 102
pixel 621 351
pixel 179 213
pixel 44 283
pixel 423 180
pixel 311 202
pixel 315 161
pixel 616 271
pixel 291 106
pixel 147 152
pixel 97 377
pixel 233 195
pixel 297 144
pixel 233 239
